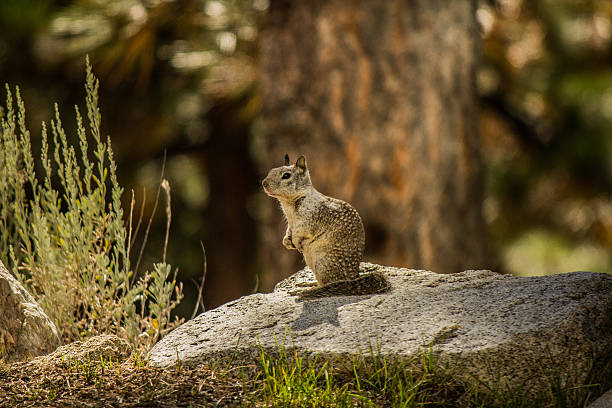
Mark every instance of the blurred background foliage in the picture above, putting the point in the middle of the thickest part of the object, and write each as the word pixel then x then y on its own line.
pixel 546 125
pixel 180 76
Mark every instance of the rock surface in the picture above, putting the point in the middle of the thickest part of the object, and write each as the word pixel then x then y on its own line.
pixel 106 346
pixel 502 329
pixel 605 401
pixel 25 330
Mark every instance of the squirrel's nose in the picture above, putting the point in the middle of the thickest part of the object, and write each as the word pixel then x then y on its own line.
pixel 265 183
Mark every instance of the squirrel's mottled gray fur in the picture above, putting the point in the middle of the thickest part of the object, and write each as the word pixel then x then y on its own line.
pixel 327 231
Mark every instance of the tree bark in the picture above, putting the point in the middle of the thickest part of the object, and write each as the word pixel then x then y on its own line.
pixel 380 96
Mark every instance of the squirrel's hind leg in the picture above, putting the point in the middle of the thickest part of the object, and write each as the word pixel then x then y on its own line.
pixel 335 266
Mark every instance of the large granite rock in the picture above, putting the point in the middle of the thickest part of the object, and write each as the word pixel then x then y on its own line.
pixel 506 331
pixel 25 330
pixel 604 401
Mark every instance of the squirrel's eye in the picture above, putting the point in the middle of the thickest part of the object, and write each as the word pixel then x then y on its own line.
pixel 286 175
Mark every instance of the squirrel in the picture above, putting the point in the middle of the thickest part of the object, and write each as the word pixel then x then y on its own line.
pixel 328 232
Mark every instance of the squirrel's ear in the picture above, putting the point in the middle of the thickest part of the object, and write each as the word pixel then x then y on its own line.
pixel 301 163
pixel 287 160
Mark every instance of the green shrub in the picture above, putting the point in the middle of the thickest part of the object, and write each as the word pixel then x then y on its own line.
pixel 64 236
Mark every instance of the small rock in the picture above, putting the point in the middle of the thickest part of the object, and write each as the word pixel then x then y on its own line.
pixel 25 330
pixel 106 346
pixel 504 330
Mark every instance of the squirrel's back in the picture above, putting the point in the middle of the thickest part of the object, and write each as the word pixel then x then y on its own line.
pixel 339 243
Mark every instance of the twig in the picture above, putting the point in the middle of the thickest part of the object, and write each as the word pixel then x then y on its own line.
pixel 146 236
pixel 133 237
pixel 202 305
pixel 199 301
pixel 132 202
pixel 166 186
pixel 256 284
pixel 145 282
pixel 178 289
pixel 142 208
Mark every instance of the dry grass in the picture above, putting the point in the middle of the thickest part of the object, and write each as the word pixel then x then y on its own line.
pixel 126 385
pixel 279 380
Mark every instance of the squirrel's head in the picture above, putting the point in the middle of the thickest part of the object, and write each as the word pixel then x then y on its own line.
pixel 288 182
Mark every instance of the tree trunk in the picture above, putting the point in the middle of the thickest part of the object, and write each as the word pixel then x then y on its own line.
pixel 380 97
pixel 230 230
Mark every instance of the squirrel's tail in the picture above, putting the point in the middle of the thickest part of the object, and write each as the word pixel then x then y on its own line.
pixel 367 284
